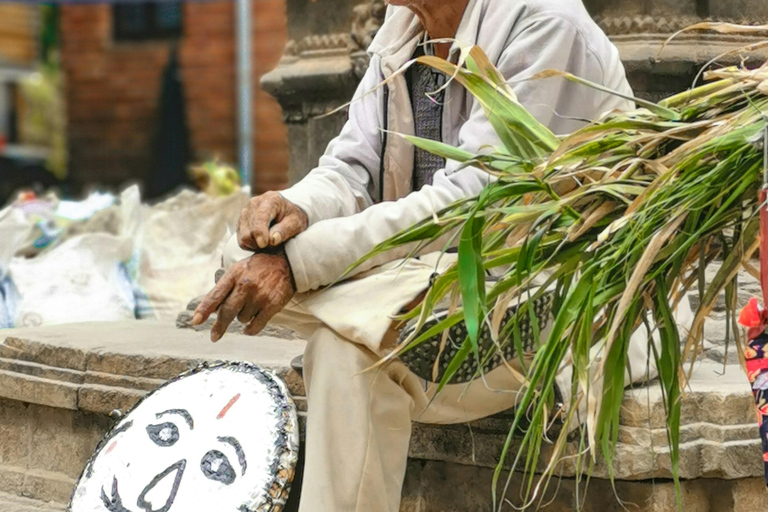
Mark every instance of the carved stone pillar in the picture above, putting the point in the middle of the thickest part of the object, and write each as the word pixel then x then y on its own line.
pixel 326 57
pixel 320 69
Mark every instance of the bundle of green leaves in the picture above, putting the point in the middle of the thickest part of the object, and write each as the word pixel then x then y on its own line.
pixel 621 219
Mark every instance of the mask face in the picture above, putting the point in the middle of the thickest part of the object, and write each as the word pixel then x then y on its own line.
pixel 220 439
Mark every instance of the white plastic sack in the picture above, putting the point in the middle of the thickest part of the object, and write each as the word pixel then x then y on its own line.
pixel 14 229
pixel 82 280
pixel 68 211
pixel 180 247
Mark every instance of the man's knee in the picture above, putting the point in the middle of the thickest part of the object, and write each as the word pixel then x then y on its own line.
pixel 334 357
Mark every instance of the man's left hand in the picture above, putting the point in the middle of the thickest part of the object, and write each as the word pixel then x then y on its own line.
pixel 252 290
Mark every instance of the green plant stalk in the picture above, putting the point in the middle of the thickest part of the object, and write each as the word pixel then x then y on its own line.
pixel 582 214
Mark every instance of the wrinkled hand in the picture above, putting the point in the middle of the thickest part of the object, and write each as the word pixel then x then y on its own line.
pixel 255 230
pixel 252 290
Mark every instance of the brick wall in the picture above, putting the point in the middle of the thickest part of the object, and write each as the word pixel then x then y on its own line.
pixel 18 32
pixel 113 89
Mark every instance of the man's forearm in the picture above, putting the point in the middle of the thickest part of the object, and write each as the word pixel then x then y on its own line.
pixel 322 254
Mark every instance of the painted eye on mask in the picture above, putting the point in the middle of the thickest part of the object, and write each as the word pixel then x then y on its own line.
pixel 163 434
pixel 215 466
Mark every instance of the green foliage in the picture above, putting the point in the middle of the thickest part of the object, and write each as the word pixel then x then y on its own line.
pixel 619 219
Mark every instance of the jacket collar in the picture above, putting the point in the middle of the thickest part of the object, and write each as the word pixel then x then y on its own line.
pixel 401 32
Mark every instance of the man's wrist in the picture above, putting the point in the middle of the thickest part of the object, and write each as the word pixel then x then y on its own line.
pixel 280 251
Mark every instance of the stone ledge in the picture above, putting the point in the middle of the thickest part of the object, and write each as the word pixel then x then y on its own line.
pixel 685 55
pixel 79 373
pixel 96 367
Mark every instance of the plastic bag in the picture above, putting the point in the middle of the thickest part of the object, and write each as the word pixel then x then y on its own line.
pixel 81 280
pixel 180 247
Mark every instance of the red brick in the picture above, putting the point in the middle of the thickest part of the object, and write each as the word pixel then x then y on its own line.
pixel 113 90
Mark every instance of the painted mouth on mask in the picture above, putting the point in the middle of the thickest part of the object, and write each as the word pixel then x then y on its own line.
pixel 114 503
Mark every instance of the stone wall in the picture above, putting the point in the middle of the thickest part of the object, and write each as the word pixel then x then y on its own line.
pixel 113 90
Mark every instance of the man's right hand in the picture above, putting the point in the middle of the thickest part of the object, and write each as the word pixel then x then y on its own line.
pixel 255 229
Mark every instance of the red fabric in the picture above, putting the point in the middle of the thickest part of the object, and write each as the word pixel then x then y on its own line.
pixel 756 365
pixel 754 318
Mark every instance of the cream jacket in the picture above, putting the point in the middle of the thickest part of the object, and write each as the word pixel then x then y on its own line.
pixel 357 198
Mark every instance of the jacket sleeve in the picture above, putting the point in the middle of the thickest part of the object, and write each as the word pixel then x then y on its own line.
pixel 320 255
pixel 341 184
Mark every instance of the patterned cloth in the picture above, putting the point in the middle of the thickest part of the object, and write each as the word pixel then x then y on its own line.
pixel 427 115
pixel 755 319
pixel 757 371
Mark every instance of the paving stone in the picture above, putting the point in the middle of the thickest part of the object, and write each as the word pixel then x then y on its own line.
pixel 41 370
pixel 121 381
pixel 105 399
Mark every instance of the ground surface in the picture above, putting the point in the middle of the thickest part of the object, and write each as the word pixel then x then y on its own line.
pixel 13 503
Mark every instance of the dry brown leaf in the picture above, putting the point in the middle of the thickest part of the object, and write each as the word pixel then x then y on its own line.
pixel 588 221
pixel 719 27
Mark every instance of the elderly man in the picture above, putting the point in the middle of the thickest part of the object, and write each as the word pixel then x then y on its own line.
pixel 368 186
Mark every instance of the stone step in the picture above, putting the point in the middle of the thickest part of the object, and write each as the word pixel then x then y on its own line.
pixel 13 503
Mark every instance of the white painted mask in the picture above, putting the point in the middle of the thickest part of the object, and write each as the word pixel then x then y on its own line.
pixel 223 438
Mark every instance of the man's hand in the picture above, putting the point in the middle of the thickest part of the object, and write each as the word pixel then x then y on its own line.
pixel 252 290
pixel 255 230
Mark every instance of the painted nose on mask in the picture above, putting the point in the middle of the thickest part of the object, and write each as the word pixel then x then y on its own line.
pixel 159 494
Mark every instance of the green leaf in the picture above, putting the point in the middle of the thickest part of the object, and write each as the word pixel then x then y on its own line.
pixel 472 278
pixel 519 130
pixel 668 364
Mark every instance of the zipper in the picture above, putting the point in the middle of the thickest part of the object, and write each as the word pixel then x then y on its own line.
pixel 384 144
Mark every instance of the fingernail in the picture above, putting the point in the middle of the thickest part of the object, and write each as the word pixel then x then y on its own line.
pixel 260 242
pixel 215 336
pixel 277 237
pixel 197 318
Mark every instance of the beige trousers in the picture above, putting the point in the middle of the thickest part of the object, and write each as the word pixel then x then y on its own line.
pixel 359 422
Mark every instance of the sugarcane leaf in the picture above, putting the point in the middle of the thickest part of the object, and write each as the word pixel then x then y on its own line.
pixel 510 120
pixel 479 62
pixel 663 112
pixel 668 365
pixel 471 278
pixel 436 329
pixel 461 355
pixel 608 407
pixel 720 27
pixel 696 93
pixel 638 274
pixel 618 220
pixel 441 149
